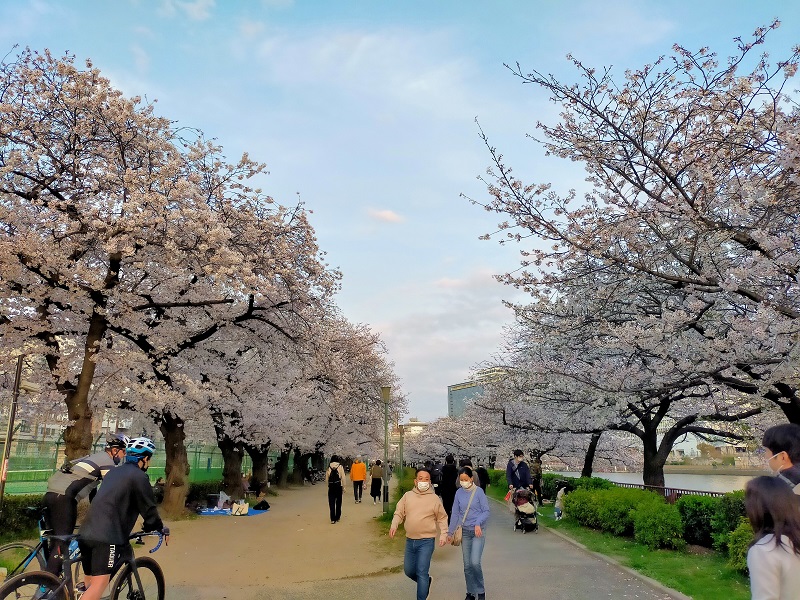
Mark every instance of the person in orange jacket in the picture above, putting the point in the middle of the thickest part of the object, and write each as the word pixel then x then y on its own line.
pixel 358 474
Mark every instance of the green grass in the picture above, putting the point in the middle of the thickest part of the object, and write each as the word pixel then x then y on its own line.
pixel 701 576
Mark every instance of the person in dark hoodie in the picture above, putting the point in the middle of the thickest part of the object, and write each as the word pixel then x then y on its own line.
pixel 334 477
pixel 421 512
pixel 782 447
pixel 449 483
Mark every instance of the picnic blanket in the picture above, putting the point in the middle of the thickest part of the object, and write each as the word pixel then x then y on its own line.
pixel 226 512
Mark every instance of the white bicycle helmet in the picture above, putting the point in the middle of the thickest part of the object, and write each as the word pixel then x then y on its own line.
pixel 141 446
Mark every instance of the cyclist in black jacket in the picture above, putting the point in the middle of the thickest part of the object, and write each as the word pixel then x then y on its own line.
pixel 125 494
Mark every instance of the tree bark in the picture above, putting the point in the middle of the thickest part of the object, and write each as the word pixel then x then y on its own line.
pixel 282 469
pixel 232 454
pixel 588 461
pixel 653 462
pixel 177 465
pixel 260 457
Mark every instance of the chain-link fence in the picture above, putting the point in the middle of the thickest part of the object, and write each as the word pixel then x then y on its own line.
pixel 32 463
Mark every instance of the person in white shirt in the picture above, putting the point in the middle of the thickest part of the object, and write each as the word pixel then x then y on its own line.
pixel 774 556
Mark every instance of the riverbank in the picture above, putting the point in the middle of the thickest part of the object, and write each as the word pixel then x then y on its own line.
pixel 711 470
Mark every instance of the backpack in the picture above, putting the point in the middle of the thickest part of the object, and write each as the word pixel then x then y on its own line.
pixel 333 476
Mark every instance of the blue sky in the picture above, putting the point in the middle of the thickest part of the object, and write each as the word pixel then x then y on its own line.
pixel 365 111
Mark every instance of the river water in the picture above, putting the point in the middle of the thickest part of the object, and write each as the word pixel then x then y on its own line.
pixel 707 483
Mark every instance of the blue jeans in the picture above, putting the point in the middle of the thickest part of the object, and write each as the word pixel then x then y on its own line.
pixel 472 550
pixel 417 563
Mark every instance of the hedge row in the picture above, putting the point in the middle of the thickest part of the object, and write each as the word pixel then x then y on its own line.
pixel 710 522
pixel 630 512
pixel 15 524
pixel 550 489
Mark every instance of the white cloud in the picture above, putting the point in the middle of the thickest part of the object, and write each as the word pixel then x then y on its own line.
pixel 141 58
pixel 385 70
pixel 251 29
pixel 387 216
pixel 197 10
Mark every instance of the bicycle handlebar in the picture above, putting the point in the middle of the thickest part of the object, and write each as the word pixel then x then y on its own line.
pixel 161 534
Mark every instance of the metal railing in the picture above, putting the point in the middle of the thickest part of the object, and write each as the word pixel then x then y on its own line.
pixel 671 494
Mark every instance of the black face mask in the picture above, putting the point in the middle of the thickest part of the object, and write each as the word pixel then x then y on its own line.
pixel 116 458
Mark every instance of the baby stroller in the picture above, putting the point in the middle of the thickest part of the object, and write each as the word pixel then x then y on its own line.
pixel 525 511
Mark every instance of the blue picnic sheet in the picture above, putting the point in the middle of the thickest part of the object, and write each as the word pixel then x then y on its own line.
pixel 226 512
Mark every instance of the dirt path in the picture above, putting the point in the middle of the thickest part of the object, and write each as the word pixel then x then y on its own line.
pixel 234 557
pixel 294 553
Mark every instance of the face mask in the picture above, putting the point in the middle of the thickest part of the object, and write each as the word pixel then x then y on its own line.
pixel 466 484
pixel 423 486
pixel 116 459
pixel 770 467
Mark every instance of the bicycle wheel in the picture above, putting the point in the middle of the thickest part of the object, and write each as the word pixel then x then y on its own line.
pixel 151 576
pixel 19 558
pixel 37 585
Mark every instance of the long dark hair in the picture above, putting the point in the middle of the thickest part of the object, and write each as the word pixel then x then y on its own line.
pixel 773 507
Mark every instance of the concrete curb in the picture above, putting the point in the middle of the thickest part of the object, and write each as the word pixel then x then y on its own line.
pixel 649 580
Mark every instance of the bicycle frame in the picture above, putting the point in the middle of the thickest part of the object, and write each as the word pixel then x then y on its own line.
pixel 73 557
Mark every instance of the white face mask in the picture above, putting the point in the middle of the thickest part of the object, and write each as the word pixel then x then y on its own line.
pixel 466 484
pixel 423 486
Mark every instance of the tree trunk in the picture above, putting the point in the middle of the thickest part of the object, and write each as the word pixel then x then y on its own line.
pixel 177 465
pixel 588 461
pixel 300 460
pixel 653 461
pixel 260 457
pixel 232 455
pixel 282 469
pixel 318 461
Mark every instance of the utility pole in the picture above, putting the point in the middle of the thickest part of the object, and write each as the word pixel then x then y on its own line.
pixel 385 397
pixel 9 432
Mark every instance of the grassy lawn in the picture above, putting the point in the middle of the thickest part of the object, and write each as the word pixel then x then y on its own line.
pixel 701 576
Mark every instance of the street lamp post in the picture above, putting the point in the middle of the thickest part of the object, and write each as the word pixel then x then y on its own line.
pixel 10 431
pixel 385 397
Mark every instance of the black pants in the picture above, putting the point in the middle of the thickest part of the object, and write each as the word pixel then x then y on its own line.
pixel 63 516
pixel 358 490
pixel 537 489
pixel 335 500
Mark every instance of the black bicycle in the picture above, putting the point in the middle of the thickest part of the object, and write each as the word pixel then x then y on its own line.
pixel 19 557
pixel 137 578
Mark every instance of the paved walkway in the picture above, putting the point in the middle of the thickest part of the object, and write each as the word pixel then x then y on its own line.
pixel 515 565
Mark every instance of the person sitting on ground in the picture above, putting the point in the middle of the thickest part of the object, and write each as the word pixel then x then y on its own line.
pixel 124 496
pixel 782 444
pixel 774 556
pixel 75 481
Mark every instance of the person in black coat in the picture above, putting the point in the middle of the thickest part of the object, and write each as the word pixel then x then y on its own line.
pixel 518 474
pixel 448 484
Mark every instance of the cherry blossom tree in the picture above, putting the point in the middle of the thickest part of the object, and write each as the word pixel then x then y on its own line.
pixel 693 202
pixel 122 236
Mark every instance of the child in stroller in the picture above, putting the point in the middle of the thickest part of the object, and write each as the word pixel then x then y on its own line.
pixel 525 511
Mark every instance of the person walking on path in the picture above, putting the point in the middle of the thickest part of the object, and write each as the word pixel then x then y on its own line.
pixel 334 477
pixel 75 481
pixel 358 474
pixel 517 473
pixel 483 477
pixel 470 512
pixel 782 443
pixel 376 481
pixel 774 556
pixel 536 478
pixel 421 512
pixel 449 485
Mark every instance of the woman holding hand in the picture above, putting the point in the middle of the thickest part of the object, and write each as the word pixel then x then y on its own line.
pixel 471 512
